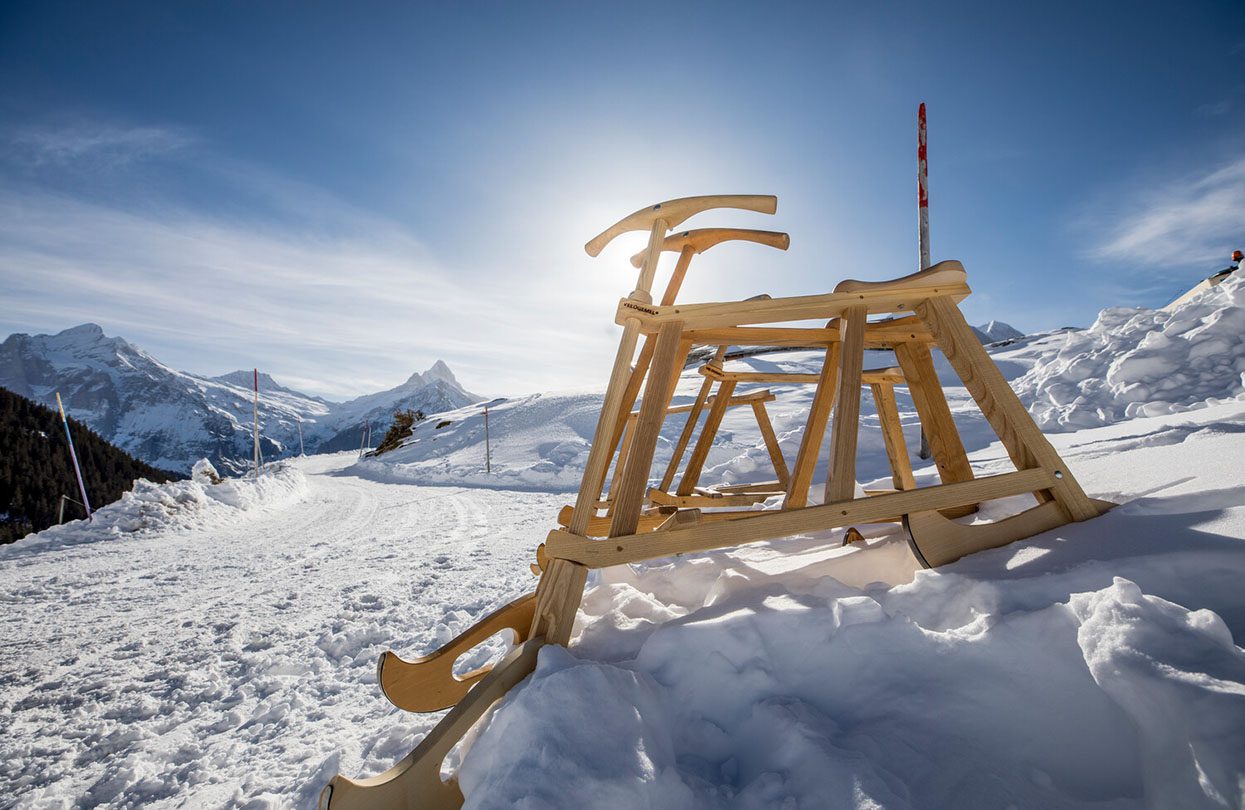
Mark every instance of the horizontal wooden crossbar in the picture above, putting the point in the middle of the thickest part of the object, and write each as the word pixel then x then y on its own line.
pixel 780 310
pixel 743 399
pixel 890 376
pixel 770 525
pixel 709 500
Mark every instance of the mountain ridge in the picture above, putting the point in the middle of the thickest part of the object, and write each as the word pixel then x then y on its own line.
pixel 170 418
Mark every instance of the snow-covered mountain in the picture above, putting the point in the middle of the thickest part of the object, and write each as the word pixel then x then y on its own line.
pixel 170 418
pixel 995 331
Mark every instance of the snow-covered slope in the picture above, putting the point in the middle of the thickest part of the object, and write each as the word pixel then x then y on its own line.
pixel 170 418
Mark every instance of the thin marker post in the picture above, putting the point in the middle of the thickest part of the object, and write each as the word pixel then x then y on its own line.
pixel 922 208
pixel 255 423
pixel 73 455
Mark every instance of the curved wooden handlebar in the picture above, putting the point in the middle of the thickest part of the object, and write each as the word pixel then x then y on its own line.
pixel 704 238
pixel 675 212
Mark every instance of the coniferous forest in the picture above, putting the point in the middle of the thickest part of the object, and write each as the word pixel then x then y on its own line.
pixel 35 468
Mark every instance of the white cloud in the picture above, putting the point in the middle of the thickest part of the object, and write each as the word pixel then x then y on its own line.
pixel 92 145
pixel 1198 220
pixel 356 313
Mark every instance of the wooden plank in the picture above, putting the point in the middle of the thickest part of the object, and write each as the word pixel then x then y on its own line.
pixel 657 391
pixel 695 464
pixel 814 431
pixel 416 779
pixel 600 526
pixel 771 525
pixel 757 376
pixel 931 405
pixel 750 398
pixel 771 444
pixel 709 501
pixel 1025 444
pixel 892 436
pixel 781 310
pixel 760 486
pixel 841 474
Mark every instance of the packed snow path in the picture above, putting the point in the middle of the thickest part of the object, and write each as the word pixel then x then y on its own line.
pixel 227 665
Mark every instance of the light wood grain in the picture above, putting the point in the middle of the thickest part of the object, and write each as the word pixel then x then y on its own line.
pixel 771 443
pixel 936 541
pixel 415 782
pixel 770 525
pixel 657 393
pixel 841 473
pixel 892 436
pixel 428 683
pixel 814 431
pixel 700 453
pixel 675 212
pixel 931 405
pixel 1015 428
pixel 699 240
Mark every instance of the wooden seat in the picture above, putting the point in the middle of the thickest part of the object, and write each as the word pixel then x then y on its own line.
pixel 948 272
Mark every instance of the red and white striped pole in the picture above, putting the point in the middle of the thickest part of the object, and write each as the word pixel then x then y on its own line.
pixel 922 208
pixel 922 187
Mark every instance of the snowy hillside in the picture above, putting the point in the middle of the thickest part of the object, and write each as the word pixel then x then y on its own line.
pixel 170 418
pixel 1098 665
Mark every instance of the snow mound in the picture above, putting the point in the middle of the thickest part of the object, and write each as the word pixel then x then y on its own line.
pixel 822 697
pixel 1143 362
pixel 176 505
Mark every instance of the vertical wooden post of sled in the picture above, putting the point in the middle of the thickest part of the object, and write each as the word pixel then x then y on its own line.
pixel 657 393
pixel 841 473
pixel 931 406
pixel 561 586
pixel 771 444
pixel 689 427
pixel 892 435
pixel 642 363
pixel 814 430
pixel 700 453
pixel 1025 444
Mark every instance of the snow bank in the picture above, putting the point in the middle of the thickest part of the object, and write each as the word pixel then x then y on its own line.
pixel 835 697
pixel 176 505
pixel 1143 362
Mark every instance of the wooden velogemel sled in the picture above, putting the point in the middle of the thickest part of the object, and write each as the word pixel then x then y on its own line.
pixel 636 522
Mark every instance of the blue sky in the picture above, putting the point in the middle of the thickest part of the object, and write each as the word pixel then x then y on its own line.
pixel 343 193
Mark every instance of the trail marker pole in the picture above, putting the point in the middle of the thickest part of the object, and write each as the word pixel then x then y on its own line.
pixel 300 437
pixel 73 455
pixel 922 208
pixel 255 423
pixel 488 448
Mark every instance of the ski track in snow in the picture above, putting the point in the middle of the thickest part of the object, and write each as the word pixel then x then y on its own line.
pixel 229 666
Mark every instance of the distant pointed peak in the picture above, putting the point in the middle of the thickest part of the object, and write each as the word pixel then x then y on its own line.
pixel 440 371
pixel 86 330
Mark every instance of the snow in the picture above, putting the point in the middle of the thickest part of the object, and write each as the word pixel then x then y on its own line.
pixel 215 645
pixel 1144 362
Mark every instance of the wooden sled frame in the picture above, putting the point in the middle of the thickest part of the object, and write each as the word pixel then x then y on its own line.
pixel 927 300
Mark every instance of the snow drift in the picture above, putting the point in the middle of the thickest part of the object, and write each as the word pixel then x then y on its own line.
pixel 177 505
pixel 1143 362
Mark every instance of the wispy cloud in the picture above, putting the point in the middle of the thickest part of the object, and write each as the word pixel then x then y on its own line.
pixel 91 144
pixel 1216 109
pixel 1197 220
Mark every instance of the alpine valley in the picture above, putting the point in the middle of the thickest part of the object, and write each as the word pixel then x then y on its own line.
pixel 171 418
